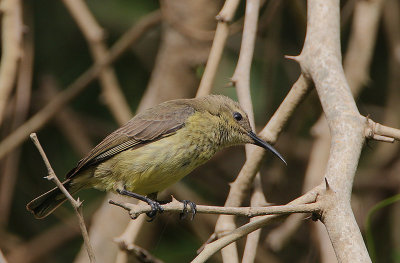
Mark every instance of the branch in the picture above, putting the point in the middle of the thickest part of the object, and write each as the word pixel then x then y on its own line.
pixel 75 203
pixel 381 132
pixel 270 133
pixel 175 206
pixel 241 79
pixel 94 35
pixel 141 254
pixel 356 67
pixel 20 113
pixel 321 60
pixel 51 109
pixel 221 34
pixel 11 49
pixel 2 258
pixel 213 247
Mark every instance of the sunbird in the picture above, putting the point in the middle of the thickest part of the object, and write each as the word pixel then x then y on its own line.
pixel 155 149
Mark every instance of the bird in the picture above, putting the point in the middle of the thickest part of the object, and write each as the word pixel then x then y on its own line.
pixel 155 149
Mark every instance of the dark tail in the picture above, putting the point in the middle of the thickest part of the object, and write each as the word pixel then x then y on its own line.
pixel 45 204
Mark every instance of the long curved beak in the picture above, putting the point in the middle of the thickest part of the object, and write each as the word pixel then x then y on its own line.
pixel 265 145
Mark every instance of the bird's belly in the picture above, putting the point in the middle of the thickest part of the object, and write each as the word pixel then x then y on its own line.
pixel 150 168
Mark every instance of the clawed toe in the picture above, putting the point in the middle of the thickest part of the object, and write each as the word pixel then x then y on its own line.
pixel 185 211
pixel 155 208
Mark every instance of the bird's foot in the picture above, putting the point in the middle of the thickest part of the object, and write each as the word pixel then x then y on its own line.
pixel 155 206
pixel 185 211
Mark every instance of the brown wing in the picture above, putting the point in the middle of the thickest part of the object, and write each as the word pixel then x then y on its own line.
pixel 150 125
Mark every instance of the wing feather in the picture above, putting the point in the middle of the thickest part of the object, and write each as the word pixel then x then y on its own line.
pixel 150 125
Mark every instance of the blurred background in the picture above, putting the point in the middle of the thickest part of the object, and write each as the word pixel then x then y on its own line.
pixel 166 61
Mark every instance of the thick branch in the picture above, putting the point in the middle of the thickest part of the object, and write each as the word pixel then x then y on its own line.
pixel 321 60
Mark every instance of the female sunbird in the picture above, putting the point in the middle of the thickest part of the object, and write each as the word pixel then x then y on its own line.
pixel 155 149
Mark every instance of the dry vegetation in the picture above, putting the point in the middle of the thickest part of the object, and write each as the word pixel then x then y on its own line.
pixel 72 71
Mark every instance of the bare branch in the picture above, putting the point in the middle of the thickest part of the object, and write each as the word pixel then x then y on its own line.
pixel 51 109
pixel 241 79
pixel 20 113
pixel 321 60
pixel 221 34
pixel 381 132
pixel 75 203
pixel 141 254
pixel 213 247
pixel 94 35
pixel 270 133
pixel 127 238
pixel 175 206
pixel 11 49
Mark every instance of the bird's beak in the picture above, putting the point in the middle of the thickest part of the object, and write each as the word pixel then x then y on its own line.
pixel 265 145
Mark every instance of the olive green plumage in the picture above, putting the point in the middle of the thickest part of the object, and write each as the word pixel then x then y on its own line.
pixel 156 148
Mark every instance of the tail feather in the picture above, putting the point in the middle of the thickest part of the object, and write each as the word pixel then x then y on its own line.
pixel 45 204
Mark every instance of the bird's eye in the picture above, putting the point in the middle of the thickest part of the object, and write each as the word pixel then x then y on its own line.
pixel 237 116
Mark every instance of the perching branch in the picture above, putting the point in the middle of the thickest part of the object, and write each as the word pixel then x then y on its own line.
pixel 75 203
pixel 175 206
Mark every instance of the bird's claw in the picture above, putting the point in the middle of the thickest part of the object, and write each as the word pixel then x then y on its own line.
pixel 185 211
pixel 155 207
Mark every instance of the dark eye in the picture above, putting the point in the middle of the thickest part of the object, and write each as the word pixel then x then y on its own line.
pixel 237 116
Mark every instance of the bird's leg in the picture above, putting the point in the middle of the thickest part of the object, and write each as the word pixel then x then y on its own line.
pixel 155 206
pixel 185 212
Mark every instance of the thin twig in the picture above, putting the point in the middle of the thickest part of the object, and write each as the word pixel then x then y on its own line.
pixel 175 206
pixel 241 79
pixel 381 132
pixel 51 109
pixel 221 34
pixel 75 203
pixel 94 35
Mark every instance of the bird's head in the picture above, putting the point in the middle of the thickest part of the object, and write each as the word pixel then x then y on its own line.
pixel 234 124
